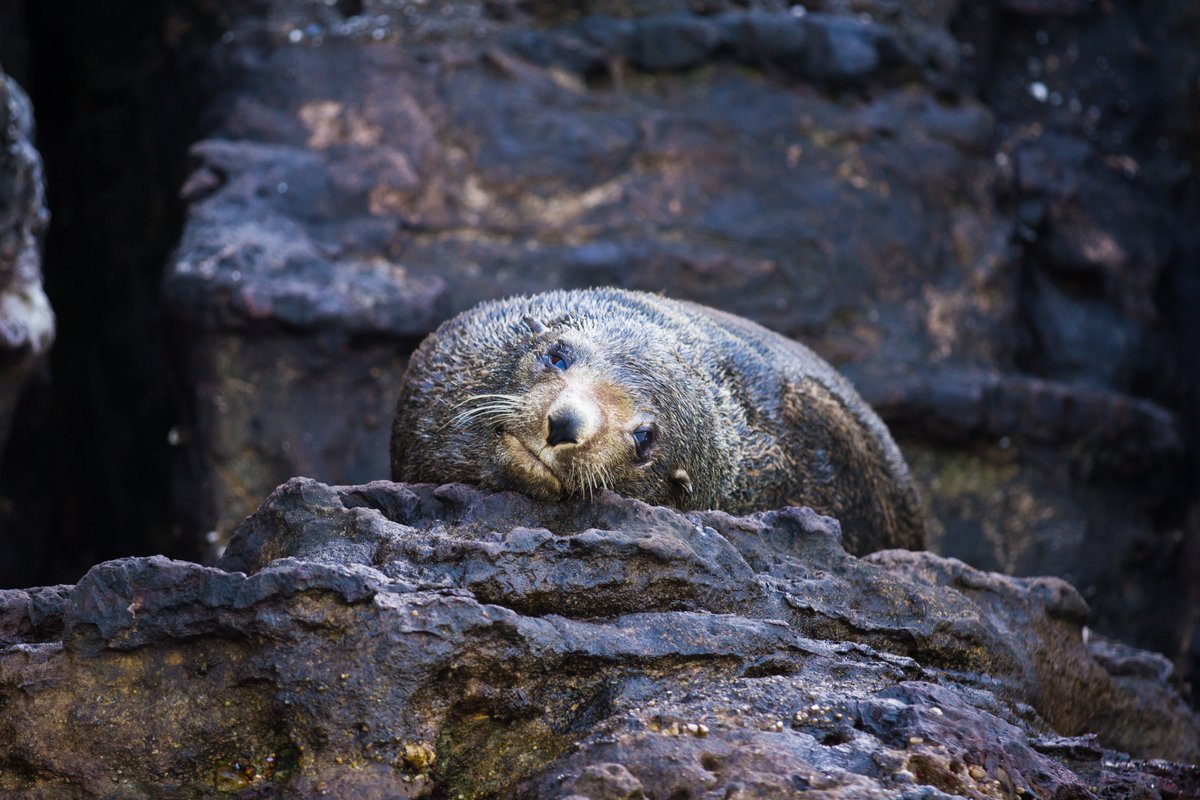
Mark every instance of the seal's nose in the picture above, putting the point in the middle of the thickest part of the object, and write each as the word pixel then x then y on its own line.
pixel 565 425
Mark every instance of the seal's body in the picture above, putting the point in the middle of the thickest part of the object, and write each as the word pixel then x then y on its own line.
pixel 670 402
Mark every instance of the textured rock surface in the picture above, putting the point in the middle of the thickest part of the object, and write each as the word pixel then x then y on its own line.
pixel 972 209
pixel 26 321
pixel 388 640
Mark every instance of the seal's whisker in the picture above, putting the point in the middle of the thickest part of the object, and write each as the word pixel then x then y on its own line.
pixel 484 408
pixel 488 410
pixel 581 476
pixel 605 476
pixel 494 410
pixel 498 404
pixel 513 398
pixel 596 478
pixel 466 415
pixel 576 479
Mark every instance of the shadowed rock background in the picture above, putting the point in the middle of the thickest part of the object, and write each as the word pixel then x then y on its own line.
pixel 984 213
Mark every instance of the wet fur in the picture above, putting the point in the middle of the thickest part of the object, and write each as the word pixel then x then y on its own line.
pixel 757 421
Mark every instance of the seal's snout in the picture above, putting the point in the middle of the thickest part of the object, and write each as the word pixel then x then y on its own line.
pixel 572 419
pixel 565 427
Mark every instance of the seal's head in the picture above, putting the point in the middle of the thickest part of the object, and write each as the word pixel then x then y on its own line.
pixel 562 394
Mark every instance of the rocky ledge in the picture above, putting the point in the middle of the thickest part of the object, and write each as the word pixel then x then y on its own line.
pixel 391 640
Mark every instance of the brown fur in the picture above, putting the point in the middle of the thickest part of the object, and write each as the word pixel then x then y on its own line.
pixel 742 419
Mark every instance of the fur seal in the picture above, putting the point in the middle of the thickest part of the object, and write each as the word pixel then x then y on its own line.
pixel 667 401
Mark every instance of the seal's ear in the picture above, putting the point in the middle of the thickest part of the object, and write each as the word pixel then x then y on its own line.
pixel 681 481
pixel 533 325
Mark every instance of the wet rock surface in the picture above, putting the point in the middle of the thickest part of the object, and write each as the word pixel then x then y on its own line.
pixel 390 640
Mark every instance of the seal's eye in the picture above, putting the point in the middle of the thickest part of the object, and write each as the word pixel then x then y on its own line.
pixel 643 439
pixel 557 359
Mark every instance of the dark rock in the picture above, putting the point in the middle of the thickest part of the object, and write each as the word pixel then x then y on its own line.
pixel 997 451
pixel 293 403
pixel 35 615
pixel 657 560
pixel 391 640
pixel 270 270
pixel 1110 775
pixel 672 42
pixel 26 320
pixel 766 39
pixel 1101 176
pixel 330 342
pixel 614 37
pixel 1102 247
pixel 847 51
pixel 27 327
pixel 833 51
pixel 14 41
pixel 545 49
pixel 1098 432
pixel 1049 8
